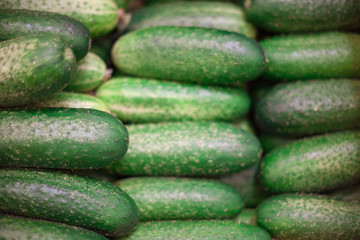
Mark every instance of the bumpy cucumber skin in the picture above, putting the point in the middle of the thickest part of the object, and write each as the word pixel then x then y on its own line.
pixel 61 138
pixel 160 198
pixel 247 216
pixel 146 100
pixel 19 22
pixel 310 107
pixel 312 56
pixel 312 217
pixel 84 202
pixel 187 149
pixel 34 67
pixel 195 230
pixel 303 15
pixel 183 53
pixel 19 228
pixel 99 16
pixel 89 74
pixel 313 164
pixel 219 15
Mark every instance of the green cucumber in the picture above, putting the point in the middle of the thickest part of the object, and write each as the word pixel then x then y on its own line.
pixel 33 67
pixel 160 198
pixel 122 3
pixel 303 15
pixel 270 142
pixel 297 217
pixel 183 53
pixel 310 107
pixel 247 216
pixel 314 164
pixel 351 193
pixel 196 230
pixel 19 22
pixel 312 56
pixel 187 149
pixel 90 73
pixel 99 16
pixel 219 15
pixel 19 228
pixel 146 100
pixel 244 124
pixel 60 138
pixel 84 202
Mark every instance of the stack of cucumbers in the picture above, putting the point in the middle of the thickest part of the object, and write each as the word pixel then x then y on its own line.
pixel 170 119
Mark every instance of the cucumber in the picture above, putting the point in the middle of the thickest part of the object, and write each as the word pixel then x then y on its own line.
pixel 122 3
pixel 183 53
pixel 84 202
pixel 90 73
pixel 303 15
pixel 351 193
pixel 310 107
pixel 160 198
pixel 19 228
pixel 244 124
pixel 314 164
pixel 146 100
pixel 270 142
pixel 312 56
pixel 187 149
pixel 33 67
pixel 219 15
pixel 71 100
pixel 195 230
pixel 247 216
pixel 60 138
pixel 312 217
pixel 99 16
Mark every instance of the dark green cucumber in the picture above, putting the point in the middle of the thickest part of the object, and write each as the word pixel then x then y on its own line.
pixel 315 164
pixel 189 54
pixel 247 216
pixel 19 228
pixel 84 202
pixel 351 193
pixel 146 100
pixel 196 230
pixel 312 56
pixel 303 15
pixel 90 73
pixel 122 3
pixel 60 138
pixel 219 15
pixel 297 217
pixel 310 107
pixel 188 148
pixel 99 16
pixel 160 198
pixel 270 142
pixel 34 67
pixel 19 22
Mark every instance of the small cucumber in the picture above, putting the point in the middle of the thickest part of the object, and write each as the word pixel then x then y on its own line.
pixel 312 56
pixel 183 53
pixel 314 164
pixel 298 217
pixel 188 148
pixel 247 216
pixel 146 100
pixel 84 202
pixel 33 67
pixel 160 198
pixel 19 228
pixel 60 138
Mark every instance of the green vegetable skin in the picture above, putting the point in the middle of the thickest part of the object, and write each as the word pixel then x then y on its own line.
pixel 33 67
pixel 297 217
pixel 312 56
pixel 160 198
pixel 183 53
pixel 60 138
pixel 188 149
pixel 247 216
pixel 18 228
pixel 303 15
pixel 146 100
pixel 309 107
pixel 313 164
pixel 219 15
pixel 99 16
pixel 195 230
pixel 84 202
